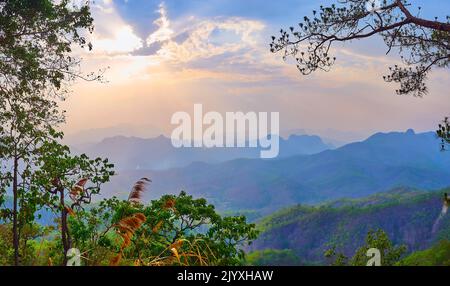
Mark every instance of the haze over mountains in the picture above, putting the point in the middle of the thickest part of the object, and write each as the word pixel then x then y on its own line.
pixel 382 162
pixel 310 198
pixel 157 153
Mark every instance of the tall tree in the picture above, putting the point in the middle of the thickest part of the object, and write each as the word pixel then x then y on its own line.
pixel 390 254
pixel 36 67
pixel 173 230
pixel 422 43
pixel 28 120
pixel 444 133
pixel 36 42
pixel 67 183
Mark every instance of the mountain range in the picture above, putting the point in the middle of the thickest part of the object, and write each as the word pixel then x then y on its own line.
pixel 157 153
pixel 382 162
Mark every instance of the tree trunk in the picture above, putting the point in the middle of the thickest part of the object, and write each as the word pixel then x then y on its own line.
pixel 65 236
pixel 15 211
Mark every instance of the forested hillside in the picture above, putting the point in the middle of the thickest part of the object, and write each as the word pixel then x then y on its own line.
pixel 407 216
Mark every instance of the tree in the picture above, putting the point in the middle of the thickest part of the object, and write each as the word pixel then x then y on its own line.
pixel 36 67
pixel 68 182
pixel 422 44
pixel 36 41
pixel 339 259
pixel 443 132
pixel 437 255
pixel 379 240
pixel 272 257
pixel 27 121
pixel 178 230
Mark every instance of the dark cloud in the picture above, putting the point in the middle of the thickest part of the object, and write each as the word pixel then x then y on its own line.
pixel 148 50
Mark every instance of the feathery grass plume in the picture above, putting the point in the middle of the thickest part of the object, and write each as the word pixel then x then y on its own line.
pixel 175 253
pixel 177 244
pixel 184 253
pixel 126 229
pixel 137 190
pixel 197 252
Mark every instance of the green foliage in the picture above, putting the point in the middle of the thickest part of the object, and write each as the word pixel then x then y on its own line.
pixel 284 217
pixel 272 257
pixel 6 247
pixel 36 67
pixel 437 255
pixel 28 121
pixel 190 226
pixel 36 41
pixel 338 258
pixel 379 240
pixel 63 175
pixel 29 246
pixel 91 230
pixel 58 168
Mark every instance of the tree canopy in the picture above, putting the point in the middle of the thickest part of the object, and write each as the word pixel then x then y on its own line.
pixel 37 66
pixel 444 133
pixel 173 230
pixel 375 239
pixel 36 42
pixel 421 43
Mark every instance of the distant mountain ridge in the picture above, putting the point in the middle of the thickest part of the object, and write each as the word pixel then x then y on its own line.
pixel 44 216
pixel 382 162
pixel 157 153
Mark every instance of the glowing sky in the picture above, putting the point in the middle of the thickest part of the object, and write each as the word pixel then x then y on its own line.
pixel 165 56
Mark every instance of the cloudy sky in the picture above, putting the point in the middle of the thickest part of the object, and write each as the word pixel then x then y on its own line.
pixel 164 56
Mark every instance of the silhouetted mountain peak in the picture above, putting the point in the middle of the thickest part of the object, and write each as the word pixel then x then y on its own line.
pixel 410 132
pixel 158 152
pixel 160 138
pixel 393 137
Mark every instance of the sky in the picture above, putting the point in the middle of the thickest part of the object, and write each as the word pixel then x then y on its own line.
pixel 164 56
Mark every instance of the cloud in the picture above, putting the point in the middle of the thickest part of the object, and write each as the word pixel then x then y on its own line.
pixel 221 58
pixel 210 38
pixel 230 49
pixel 123 41
pixel 199 38
pixel 112 35
pixel 217 48
pixel 164 32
